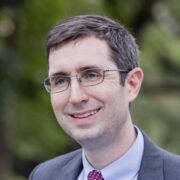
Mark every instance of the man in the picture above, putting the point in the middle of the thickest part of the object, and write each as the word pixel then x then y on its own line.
pixel 93 77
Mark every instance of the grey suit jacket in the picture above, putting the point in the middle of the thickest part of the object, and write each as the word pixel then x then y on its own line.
pixel 156 164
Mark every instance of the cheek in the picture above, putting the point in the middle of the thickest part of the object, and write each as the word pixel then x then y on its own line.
pixel 58 102
pixel 115 100
pixel 108 92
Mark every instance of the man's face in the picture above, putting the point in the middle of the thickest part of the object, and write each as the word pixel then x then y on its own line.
pixel 91 113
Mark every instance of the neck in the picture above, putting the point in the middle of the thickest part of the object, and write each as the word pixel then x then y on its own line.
pixel 104 154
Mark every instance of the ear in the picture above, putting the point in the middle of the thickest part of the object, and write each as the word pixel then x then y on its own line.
pixel 133 83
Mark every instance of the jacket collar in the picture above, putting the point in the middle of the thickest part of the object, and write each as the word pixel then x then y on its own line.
pixel 152 162
pixel 73 168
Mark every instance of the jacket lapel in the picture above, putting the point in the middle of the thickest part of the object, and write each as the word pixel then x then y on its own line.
pixel 152 162
pixel 73 168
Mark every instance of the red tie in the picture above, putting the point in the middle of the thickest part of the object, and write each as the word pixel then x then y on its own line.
pixel 95 175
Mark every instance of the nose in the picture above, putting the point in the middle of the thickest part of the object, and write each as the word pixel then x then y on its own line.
pixel 77 95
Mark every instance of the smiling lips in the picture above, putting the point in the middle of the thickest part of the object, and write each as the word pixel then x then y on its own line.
pixel 85 114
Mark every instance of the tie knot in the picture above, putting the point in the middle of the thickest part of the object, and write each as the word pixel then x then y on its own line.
pixel 95 175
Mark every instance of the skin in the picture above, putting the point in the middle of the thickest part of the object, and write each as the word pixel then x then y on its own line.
pixel 109 133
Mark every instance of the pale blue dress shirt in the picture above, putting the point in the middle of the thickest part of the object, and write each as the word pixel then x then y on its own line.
pixel 124 168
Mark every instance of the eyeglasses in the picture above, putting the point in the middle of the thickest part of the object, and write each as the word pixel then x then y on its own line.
pixel 88 77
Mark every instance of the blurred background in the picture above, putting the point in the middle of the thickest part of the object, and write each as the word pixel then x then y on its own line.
pixel 29 133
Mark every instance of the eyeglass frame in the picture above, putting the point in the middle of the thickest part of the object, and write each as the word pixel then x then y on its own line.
pixel 79 79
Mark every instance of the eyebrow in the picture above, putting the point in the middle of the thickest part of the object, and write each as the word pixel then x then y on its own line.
pixel 79 70
pixel 88 67
pixel 59 73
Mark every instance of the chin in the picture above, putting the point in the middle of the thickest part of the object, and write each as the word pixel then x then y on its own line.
pixel 86 137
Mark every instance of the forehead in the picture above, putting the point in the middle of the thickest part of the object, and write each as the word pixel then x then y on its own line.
pixel 75 55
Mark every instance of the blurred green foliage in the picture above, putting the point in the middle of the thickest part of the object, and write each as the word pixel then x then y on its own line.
pixel 28 129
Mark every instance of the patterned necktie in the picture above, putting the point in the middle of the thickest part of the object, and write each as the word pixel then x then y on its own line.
pixel 95 175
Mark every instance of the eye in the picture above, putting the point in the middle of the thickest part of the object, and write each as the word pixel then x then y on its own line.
pixel 92 75
pixel 59 80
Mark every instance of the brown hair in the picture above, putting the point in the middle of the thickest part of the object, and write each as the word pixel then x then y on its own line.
pixel 123 48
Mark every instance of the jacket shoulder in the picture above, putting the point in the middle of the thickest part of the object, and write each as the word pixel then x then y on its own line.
pixel 158 163
pixel 171 165
pixel 53 168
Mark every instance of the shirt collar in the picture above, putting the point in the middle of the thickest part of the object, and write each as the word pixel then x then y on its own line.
pixel 126 167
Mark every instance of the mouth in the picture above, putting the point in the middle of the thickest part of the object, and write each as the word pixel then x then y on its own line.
pixel 82 115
